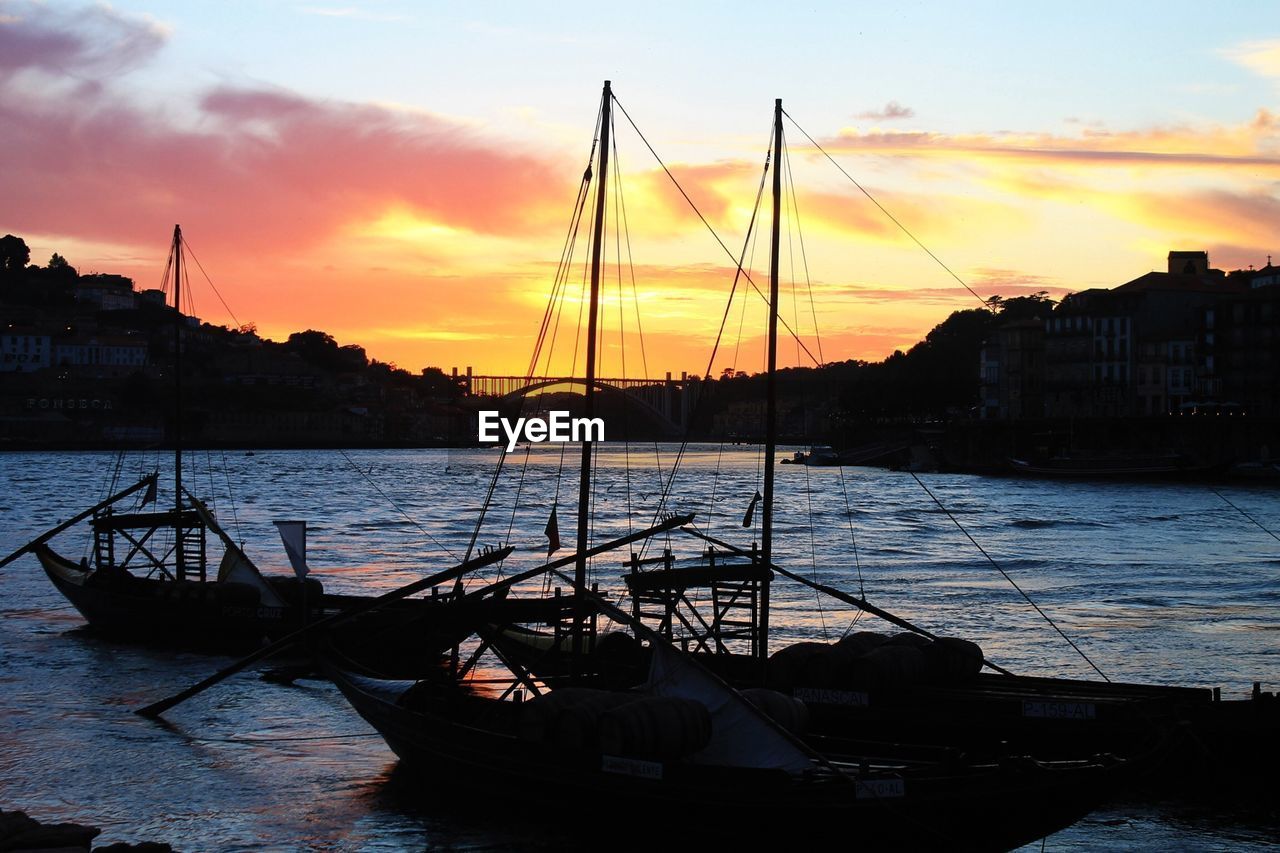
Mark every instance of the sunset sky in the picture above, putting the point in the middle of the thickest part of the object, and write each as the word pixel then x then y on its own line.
pixel 402 174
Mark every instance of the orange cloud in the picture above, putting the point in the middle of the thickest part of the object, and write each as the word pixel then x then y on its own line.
pixel 405 231
pixel 1248 145
pixel 255 169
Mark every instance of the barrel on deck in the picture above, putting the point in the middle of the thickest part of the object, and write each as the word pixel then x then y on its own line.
pixel 787 664
pixel 954 660
pixel 655 727
pixel 539 717
pixel 786 711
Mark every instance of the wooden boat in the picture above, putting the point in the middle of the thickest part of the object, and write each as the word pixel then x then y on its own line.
pixel 684 737
pixel 888 798
pixel 817 456
pixel 150 579
pixel 906 688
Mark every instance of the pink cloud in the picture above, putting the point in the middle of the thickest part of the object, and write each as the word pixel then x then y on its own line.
pixel 92 42
pixel 257 168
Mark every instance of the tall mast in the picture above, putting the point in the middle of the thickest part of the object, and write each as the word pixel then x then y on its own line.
pixel 584 482
pixel 179 562
pixel 770 386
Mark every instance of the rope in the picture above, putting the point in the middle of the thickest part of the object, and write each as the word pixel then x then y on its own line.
pixel 192 253
pixel 857 561
pixel 1246 515
pixel 746 243
pixel 726 249
pixel 265 741
pixel 395 505
pixel 804 255
pixel 891 217
pixel 1011 581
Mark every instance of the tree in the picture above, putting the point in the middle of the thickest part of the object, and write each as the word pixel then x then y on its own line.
pixel 14 254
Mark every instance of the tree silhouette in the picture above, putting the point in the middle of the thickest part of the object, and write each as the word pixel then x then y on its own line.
pixel 14 254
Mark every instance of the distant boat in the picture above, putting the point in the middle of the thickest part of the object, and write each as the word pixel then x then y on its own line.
pixel 1109 464
pixel 816 456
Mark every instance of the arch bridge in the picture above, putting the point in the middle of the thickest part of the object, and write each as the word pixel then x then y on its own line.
pixel 670 402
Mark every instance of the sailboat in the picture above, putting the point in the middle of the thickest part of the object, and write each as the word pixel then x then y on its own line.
pixel 152 579
pixel 913 686
pixel 683 749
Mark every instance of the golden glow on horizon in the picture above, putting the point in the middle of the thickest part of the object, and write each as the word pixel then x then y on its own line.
pixel 419 237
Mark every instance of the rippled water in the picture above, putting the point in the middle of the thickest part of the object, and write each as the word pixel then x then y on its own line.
pixel 1155 582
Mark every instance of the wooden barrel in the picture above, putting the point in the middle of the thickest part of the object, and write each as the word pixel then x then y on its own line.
pixel 786 711
pixel 954 660
pixel 234 594
pixel 538 716
pixel 577 726
pixel 787 664
pixel 898 665
pixel 906 638
pixel 656 727
pixel 862 642
pixel 290 590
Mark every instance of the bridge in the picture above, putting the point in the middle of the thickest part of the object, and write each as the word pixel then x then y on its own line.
pixel 670 402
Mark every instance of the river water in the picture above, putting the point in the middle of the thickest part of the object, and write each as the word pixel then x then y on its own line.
pixel 1158 583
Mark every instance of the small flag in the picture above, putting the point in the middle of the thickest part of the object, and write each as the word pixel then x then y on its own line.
pixel 751 510
pixel 553 533
pixel 294 536
pixel 149 497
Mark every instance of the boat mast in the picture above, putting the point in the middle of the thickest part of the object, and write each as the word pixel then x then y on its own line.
pixel 771 391
pixel 584 482
pixel 179 561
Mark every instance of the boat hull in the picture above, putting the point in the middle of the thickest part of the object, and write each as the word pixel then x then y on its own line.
pixel 397 640
pixel 460 742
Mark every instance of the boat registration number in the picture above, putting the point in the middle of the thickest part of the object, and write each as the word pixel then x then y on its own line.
pixel 822 696
pixel 631 767
pixel 1059 710
pixel 881 788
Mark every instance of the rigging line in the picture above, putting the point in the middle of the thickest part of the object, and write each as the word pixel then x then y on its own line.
pixel 793 225
pixel 460 584
pixel 271 741
pixel 389 500
pixel 635 302
pixel 737 350
pixel 555 305
pixel 515 503
pixel 848 512
pixel 192 253
pixel 622 318
pixel 746 242
pixel 571 238
pixel 231 498
pixel 813 547
pixel 726 249
pixel 1011 581
pixel 892 218
pixel 1245 514
pixel 804 257
pixel 566 252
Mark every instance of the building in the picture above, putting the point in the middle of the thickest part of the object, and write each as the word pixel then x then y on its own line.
pixel 106 292
pixel 1241 342
pixel 101 355
pixel 24 349
pixel 1013 371
pixel 1150 347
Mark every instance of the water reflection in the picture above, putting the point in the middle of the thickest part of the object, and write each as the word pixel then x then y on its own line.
pixel 1157 583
